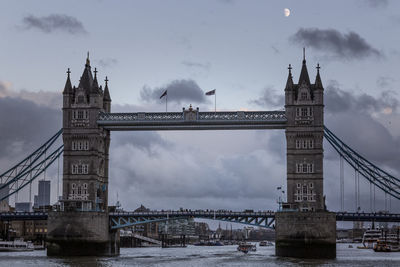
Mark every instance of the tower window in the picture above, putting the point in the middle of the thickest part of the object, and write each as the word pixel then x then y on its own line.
pixel 299 167
pixel 304 189
pixel 80 114
pixel 304 96
pixel 304 112
pixel 80 145
pixel 80 168
pixel 304 168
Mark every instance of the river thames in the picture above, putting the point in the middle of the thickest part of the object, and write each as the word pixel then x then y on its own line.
pixel 203 256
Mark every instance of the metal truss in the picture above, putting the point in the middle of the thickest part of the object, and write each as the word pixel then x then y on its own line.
pixel 367 217
pixel 31 167
pixel 383 180
pixel 31 173
pixel 28 162
pixel 126 219
pixel 193 120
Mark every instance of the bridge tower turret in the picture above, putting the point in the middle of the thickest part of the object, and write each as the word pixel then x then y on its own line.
pixel 82 225
pixel 304 135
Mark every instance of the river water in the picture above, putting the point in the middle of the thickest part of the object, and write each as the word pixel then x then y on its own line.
pixel 203 256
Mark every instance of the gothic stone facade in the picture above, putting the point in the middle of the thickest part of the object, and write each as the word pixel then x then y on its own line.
pixel 304 106
pixel 85 175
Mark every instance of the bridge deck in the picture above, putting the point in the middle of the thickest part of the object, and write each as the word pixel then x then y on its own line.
pixel 262 219
pixel 193 120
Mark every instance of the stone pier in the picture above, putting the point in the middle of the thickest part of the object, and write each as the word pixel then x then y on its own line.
pixel 306 235
pixel 81 234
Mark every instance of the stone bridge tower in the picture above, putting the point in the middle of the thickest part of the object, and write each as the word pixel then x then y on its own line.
pixel 85 177
pixel 304 228
pixel 304 104
pixel 82 225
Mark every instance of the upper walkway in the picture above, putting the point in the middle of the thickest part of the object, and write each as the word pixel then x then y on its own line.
pixel 193 120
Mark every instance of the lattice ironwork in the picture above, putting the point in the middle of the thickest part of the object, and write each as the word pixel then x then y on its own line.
pixel 31 167
pixel 202 116
pixel 383 180
pixel 193 120
pixel 126 219
pixel 31 173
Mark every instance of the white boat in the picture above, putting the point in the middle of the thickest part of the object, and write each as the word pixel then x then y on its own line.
pixel 370 238
pixel 15 246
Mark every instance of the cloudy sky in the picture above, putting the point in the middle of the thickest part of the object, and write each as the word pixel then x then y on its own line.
pixel 242 49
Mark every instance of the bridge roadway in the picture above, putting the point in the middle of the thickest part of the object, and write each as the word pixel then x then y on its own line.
pixel 264 219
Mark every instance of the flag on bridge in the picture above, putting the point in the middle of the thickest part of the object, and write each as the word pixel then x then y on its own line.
pixel 164 94
pixel 212 92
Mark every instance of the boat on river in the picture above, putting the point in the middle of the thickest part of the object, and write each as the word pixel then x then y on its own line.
pixel 388 243
pixel 16 246
pixel 246 247
pixel 370 238
pixel 266 244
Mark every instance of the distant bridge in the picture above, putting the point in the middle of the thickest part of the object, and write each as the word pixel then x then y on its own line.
pixel 260 219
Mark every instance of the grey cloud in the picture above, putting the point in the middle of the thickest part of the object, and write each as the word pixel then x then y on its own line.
pixel 270 98
pixel 54 22
pixel 146 141
pixel 42 98
pixel 355 118
pixel 376 3
pixel 276 50
pixel 338 100
pixel 191 64
pixel 384 82
pixel 227 1
pixel 24 126
pixel 335 44
pixel 178 90
pixel 107 62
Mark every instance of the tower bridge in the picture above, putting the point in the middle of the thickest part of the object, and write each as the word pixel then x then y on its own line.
pixel 304 228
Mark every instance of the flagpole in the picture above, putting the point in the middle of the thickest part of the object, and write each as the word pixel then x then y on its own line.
pixel 215 101
pixel 166 103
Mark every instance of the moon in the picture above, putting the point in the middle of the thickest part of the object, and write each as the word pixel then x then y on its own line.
pixel 286 11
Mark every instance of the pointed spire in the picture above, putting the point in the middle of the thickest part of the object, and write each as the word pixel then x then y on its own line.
pixel 86 80
pixel 318 82
pixel 289 82
pixel 304 73
pixel 95 84
pixel 106 91
pixel 87 60
pixel 68 86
